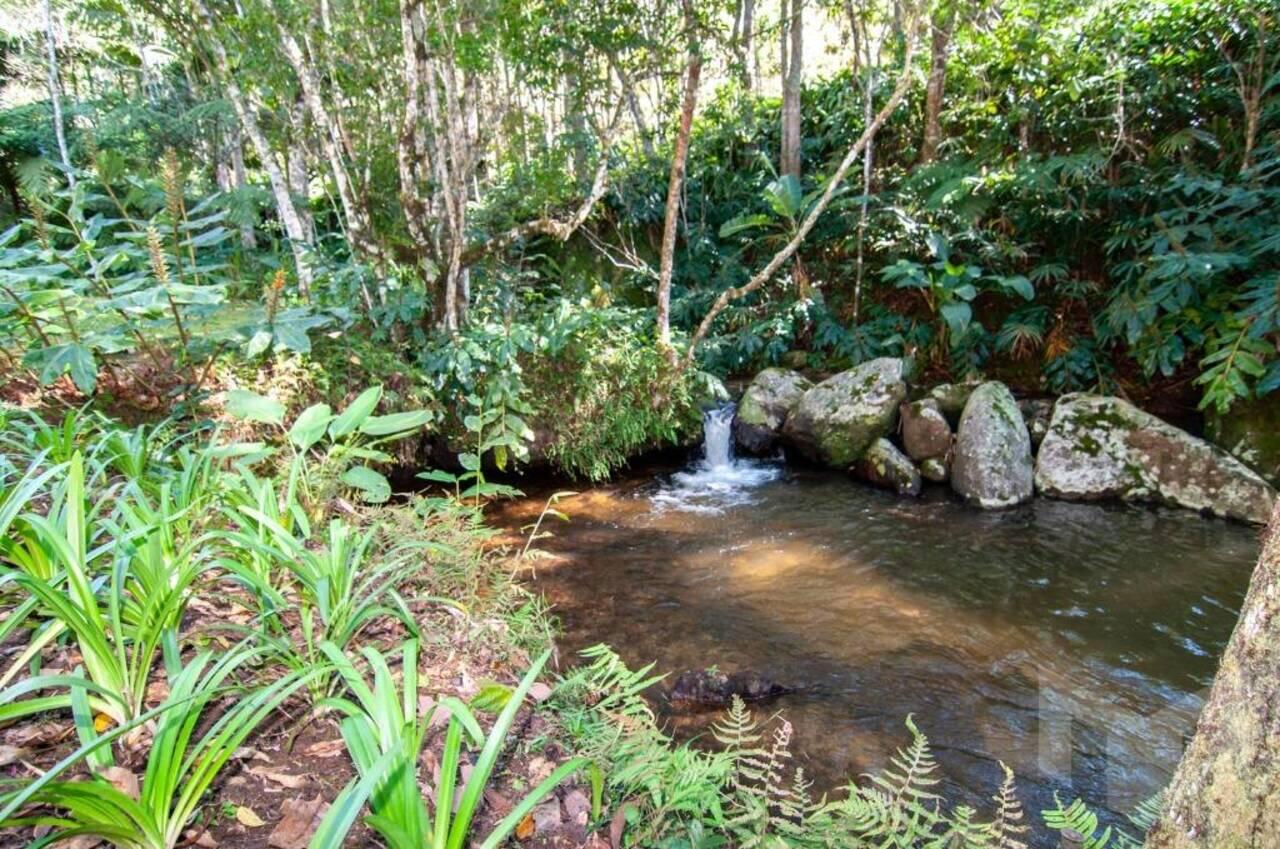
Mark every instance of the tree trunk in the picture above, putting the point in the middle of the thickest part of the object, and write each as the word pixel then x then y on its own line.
pixel 792 41
pixel 248 240
pixel 941 23
pixel 675 185
pixel 246 111
pixel 55 91
pixel 1225 793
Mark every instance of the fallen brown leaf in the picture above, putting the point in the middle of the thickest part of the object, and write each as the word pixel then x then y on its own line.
pixel 293 782
pixel 300 819
pixel 526 828
pixel 246 817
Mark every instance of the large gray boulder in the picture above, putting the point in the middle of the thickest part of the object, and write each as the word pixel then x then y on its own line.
pixel 887 467
pixel 991 463
pixel 764 408
pixel 1100 447
pixel 837 420
pixel 925 430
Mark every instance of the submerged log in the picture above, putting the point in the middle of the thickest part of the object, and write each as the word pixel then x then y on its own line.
pixel 1225 793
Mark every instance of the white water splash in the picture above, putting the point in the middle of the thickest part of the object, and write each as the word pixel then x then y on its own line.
pixel 719 481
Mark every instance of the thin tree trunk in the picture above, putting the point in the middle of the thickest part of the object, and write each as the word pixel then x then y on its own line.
pixel 747 35
pixel 792 38
pixel 55 91
pixel 942 22
pixel 331 143
pixel 675 185
pixel 763 276
pixel 246 111
pixel 296 170
pixel 248 240
pixel 1225 793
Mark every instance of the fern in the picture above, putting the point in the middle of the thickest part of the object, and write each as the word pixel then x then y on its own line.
pixel 1008 829
pixel 1078 818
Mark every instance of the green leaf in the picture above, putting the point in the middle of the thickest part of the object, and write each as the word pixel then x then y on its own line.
pixel 743 222
pixel 57 360
pixel 957 314
pixel 396 423
pixel 354 415
pixel 469 461
pixel 310 426
pixel 374 488
pixel 252 407
pixel 1019 284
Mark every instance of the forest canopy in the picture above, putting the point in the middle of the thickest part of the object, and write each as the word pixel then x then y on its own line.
pixel 1070 194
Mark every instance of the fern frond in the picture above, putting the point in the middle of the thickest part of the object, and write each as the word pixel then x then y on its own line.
pixel 1008 828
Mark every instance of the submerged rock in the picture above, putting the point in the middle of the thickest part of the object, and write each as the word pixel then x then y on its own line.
pixel 887 467
pixel 925 431
pixel 1250 432
pixel 713 688
pixel 935 469
pixel 1036 412
pixel 764 408
pixel 837 420
pixel 991 465
pixel 1100 447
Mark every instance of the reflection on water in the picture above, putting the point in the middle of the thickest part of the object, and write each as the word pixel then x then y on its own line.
pixel 1071 641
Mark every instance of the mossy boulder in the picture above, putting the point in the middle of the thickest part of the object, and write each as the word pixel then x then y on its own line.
pixel 837 420
pixel 1250 432
pixel 765 406
pixel 951 398
pixel 887 467
pixel 991 464
pixel 935 469
pixel 1099 447
pixel 925 430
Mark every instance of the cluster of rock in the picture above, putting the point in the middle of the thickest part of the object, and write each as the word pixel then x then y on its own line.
pixel 993 450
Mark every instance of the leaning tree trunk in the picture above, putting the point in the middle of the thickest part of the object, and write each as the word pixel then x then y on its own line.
pixel 1225 793
pixel 55 91
pixel 675 184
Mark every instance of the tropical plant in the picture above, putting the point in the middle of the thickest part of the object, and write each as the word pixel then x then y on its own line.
pixel 328 447
pixel 384 734
pixel 180 767
pixel 120 599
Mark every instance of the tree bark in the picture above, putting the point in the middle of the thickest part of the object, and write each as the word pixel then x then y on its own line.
pixel 55 91
pixel 675 185
pixel 1225 793
pixel 792 38
pixel 942 22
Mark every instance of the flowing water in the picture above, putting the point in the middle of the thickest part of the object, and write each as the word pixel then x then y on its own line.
pixel 1073 642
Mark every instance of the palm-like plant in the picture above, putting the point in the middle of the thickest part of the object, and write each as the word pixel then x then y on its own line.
pixel 120 601
pixel 180 768
pixel 384 735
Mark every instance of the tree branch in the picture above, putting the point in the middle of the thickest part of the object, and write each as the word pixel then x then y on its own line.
pixel 761 277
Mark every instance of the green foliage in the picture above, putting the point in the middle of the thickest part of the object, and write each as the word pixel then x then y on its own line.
pixel 384 735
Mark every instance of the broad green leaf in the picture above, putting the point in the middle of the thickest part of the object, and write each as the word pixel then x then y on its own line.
pixel 469 461
pixel 252 407
pixel 310 426
pixel 373 486
pixel 396 423
pixel 957 314
pixel 70 357
pixel 355 414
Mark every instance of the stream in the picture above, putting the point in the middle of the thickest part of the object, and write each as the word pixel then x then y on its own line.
pixel 1073 642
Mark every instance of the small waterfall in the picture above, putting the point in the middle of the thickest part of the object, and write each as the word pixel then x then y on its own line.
pixel 717 437
pixel 719 481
